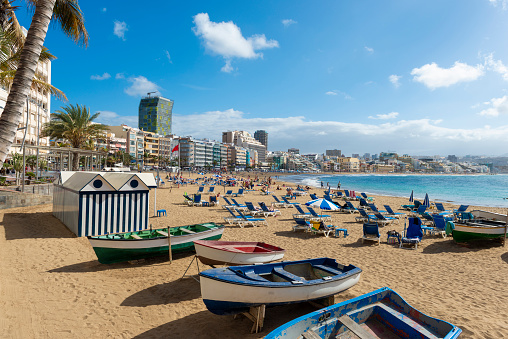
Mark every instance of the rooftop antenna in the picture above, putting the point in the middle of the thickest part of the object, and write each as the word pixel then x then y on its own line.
pixel 151 93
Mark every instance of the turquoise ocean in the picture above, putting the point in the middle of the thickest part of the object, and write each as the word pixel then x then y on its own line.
pixel 479 190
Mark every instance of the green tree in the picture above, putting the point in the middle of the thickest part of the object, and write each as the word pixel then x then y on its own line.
pixel 69 15
pixel 31 161
pixel 74 124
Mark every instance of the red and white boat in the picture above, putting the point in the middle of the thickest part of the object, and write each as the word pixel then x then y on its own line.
pixel 234 253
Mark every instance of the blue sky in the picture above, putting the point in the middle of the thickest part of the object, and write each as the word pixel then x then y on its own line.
pixel 416 77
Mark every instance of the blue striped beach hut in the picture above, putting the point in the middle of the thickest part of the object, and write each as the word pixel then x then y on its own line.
pixel 92 203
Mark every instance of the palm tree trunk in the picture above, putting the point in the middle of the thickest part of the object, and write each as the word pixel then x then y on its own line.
pixel 13 111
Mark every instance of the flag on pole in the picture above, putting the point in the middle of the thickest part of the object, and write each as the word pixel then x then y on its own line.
pixel 175 148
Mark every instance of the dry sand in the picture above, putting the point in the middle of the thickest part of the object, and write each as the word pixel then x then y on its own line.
pixel 52 286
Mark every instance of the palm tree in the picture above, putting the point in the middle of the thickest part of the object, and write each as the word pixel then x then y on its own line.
pixel 69 15
pixel 74 124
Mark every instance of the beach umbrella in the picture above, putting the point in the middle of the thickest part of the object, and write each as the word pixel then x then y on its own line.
pixel 323 204
pixel 426 201
pixel 411 197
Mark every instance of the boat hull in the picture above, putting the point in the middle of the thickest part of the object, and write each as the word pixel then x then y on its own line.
pixel 110 251
pixel 466 233
pixel 379 314
pixel 225 292
pixel 231 253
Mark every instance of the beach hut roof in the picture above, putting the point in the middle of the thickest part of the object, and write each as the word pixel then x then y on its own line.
pixel 127 181
pixel 148 179
pixel 87 181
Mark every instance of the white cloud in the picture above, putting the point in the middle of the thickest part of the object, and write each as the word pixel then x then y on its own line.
pixel 502 3
pixel 496 66
pixel 227 68
pixel 226 39
pixel 336 92
pixel 141 86
pixel 114 119
pixel 101 77
pixel 120 29
pixel 169 57
pixel 498 106
pixel 104 9
pixel 119 76
pixel 288 22
pixel 433 76
pixel 421 136
pixel 394 79
pixel 368 49
pixel 392 115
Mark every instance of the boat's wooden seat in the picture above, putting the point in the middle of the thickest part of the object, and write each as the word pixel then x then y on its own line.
pixel 310 334
pixel 135 236
pixel 286 275
pixel 327 269
pixel 354 327
pixel 164 234
pixel 253 276
pixel 187 231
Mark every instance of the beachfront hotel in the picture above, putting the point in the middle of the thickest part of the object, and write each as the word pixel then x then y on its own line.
pixel 155 115
pixel 262 137
pixel 244 139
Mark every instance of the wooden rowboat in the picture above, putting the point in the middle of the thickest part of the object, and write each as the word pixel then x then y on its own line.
pixel 234 290
pixel 378 314
pixel 233 253
pixel 485 225
pixel 113 248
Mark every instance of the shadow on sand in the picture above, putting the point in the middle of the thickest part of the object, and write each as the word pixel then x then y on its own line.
pixel 167 293
pixel 291 234
pixel 34 225
pixel 214 326
pixel 505 257
pixel 450 246
pixel 96 266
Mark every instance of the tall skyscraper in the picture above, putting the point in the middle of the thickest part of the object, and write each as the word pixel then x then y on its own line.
pixel 262 137
pixel 155 115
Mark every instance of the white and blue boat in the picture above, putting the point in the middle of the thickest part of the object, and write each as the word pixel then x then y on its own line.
pixel 378 314
pixel 233 290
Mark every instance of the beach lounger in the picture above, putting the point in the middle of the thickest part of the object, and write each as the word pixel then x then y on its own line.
pixel 319 227
pixel 375 209
pixel 200 189
pixel 421 209
pixel 211 190
pixel 301 225
pixel 301 213
pixel 236 219
pixel 239 207
pixel 253 221
pixel 350 208
pixel 279 203
pixel 364 195
pixel 188 200
pixel 371 233
pixel 197 200
pixel 313 196
pixel 458 212
pixel 228 203
pixel 213 200
pixel 316 216
pixel 413 234
pixel 252 210
pixel 287 202
pixel 238 194
pixel 441 209
pixel 228 193
pixel 440 225
pixel 364 217
pixel 382 220
pixel 391 213
pixel 364 203
pixel 269 212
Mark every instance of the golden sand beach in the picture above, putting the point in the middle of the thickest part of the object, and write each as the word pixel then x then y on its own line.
pixel 52 286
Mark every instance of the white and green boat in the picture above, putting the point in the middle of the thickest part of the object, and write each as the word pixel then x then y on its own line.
pixel 114 248
pixel 484 225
